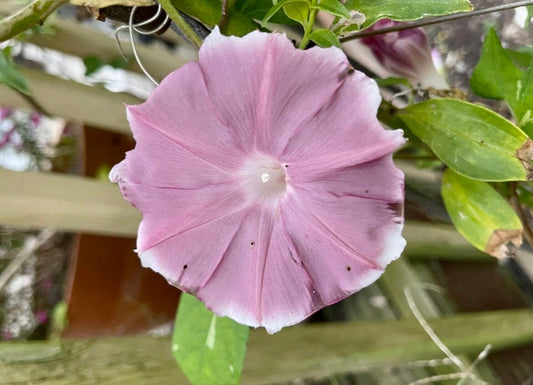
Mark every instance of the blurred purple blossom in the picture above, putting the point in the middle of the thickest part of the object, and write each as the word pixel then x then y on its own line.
pixel 406 54
pixel 41 316
pixel 5 112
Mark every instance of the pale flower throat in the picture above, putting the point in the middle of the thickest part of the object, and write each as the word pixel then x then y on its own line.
pixel 263 178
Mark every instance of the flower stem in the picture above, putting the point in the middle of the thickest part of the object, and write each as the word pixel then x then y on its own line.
pixel 223 15
pixel 436 20
pixel 34 13
pixel 515 202
pixel 310 23
pixel 181 23
pixel 35 105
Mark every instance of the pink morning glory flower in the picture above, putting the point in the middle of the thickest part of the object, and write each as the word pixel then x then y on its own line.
pixel 406 54
pixel 265 181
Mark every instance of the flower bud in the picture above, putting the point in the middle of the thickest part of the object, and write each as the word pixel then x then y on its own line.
pixel 406 54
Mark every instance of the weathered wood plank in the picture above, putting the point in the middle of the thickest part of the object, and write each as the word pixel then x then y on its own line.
pixel 67 99
pixel 429 240
pixel 79 40
pixel 297 352
pixel 398 276
pixel 78 204
pixel 64 202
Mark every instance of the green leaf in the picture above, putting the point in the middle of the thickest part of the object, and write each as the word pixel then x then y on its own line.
pixel 241 17
pixel 472 140
pixel 209 12
pixel 209 349
pixel 495 75
pixel 10 76
pixel 523 105
pixel 257 9
pixel 297 11
pixel 392 81
pixel 119 62
pixel 276 8
pixel 92 64
pixel 59 320
pixel 334 7
pixel 480 214
pixel 324 38
pixel 521 57
pixel 402 10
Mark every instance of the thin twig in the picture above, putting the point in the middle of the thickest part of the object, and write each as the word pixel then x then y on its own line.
pixel 415 157
pixel 429 363
pixel 27 251
pixel 515 202
pixel 470 371
pixel 441 377
pixel 436 20
pixel 185 28
pixel 466 372
pixel 34 13
pixel 429 331
pixel 132 27
pixel 223 15
pixel 34 104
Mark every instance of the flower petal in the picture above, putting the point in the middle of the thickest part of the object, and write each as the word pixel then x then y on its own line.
pixel 252 83
pixel 170 211
pixel 188 259
pixel 265 181
pixel 360 208
pixel 345 132
pixel 159 160
pixel 289 295
pixel 181 110
pixel 235 288
pixel 334 268
pixel 176 190
pixel 379 180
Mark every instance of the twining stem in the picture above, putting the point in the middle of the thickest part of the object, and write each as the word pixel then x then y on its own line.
pixel 435 20
pixel 515 202
pixel 308 28
pixel 34 104
pixel 34 13
pixel 181 23
pixel 25 253
pixel 415 157
pixel 223 15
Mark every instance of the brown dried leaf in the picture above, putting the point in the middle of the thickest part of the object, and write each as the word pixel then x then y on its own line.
pixel 497 246
pixel 525 156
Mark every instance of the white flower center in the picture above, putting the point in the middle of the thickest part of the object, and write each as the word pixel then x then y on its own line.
pixel 263 178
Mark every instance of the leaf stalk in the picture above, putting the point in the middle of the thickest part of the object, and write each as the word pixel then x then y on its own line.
pixel 435 20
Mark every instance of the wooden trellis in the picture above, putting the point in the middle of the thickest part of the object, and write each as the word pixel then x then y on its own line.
pixel 78 204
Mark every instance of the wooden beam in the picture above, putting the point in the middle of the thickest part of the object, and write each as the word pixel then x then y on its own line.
pixel 79 40
pixel 306 351
pixel 94 106
pixel 78 204
pixel 429 240
pixel 63 202
pixel 7 7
